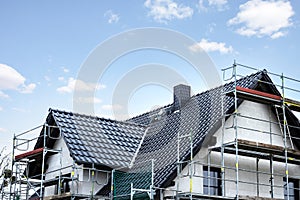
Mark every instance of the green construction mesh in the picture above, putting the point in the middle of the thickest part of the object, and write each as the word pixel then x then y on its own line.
pixel 140 175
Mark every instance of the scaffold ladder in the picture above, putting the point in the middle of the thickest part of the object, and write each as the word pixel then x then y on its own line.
pixel 281 123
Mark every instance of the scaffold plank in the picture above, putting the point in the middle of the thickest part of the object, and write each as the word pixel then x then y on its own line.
pixel 256 198
pixel 256 96
pixel 34 152
pixel 204 196
pixel 267 148
pixel 262 150
pixel 264 97
pixel 66 195
pixel 259 93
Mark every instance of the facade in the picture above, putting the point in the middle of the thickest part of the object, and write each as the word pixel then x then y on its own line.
pixel 255 172
pixel 237 141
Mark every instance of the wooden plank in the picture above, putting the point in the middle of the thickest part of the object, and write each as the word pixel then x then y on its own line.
pixel 257 154
pixel 29 154
pixel 256 96
pixel 263 151
pixel 201 196
pixel 264 97
pixel 256 198
pixel 260 145
pixel 269 148
pixel 259 93
pixel 66 195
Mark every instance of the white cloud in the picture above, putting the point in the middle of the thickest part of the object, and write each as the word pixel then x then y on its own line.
pixel 111 17
pixel 79 85
pixel 211 46
pixel 88 100
pixel 1 108
pixel 10 79
pixel 26 89
pixel 278 34
pixel 66 70
pixel 263 18
pixel 61 78
pixel 166 10
pixel 219 4
pixel 3 95
pixel 112 107
pixel 2 130
pixel 201 6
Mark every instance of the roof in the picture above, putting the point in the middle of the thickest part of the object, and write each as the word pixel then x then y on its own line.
pixel 99 141
pixel 199 117
pixel 111 143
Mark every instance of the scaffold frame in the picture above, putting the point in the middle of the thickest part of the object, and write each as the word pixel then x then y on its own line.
pixel 22 185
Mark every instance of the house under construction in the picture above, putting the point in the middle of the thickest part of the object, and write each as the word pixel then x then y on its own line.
pixel 237 141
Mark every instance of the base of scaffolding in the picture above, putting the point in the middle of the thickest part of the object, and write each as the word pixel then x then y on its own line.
pixel 68 195
pixel 204 196
pixel 256 198
pixel 198 196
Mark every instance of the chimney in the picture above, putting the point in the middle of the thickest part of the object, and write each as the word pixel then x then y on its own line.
pixel 182 94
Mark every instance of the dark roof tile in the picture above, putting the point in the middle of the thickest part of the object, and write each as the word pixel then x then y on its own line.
pixel 112 143
pixel 97 140
pixel 198 116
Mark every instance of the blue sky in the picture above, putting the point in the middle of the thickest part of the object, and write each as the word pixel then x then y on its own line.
pixel 44 44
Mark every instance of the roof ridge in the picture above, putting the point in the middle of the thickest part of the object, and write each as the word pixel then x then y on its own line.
pixel 97 117
pixel 148 112
pixel 195 95
pixel 130 120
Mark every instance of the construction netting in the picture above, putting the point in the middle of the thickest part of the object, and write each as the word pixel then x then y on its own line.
pixel 135 183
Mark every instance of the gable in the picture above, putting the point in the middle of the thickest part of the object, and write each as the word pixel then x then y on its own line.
pixel 99 141
pixel 201 116
pixel 92 140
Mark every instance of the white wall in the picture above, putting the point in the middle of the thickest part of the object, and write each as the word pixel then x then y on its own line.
pixel 254 110
pixel 85 183
pixel 57 161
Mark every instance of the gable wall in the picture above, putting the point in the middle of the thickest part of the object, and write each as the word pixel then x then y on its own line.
pixel 255 110
pixel 57 161
pixel 86 183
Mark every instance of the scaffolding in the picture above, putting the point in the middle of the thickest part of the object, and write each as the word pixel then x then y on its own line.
pixel 4 172
pixel 281 179
pixel 268 165
pixel 181 141
pixel 31 178
pixel 286 154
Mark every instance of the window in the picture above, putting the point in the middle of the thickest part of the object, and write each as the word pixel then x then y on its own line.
pixel 212 183
pixel 293 189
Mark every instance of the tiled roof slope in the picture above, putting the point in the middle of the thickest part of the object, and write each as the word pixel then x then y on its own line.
pixel 200 116
pixel 146 118
pixel 97 140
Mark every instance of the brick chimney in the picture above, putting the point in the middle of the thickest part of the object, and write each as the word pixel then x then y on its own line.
pixel 182 94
